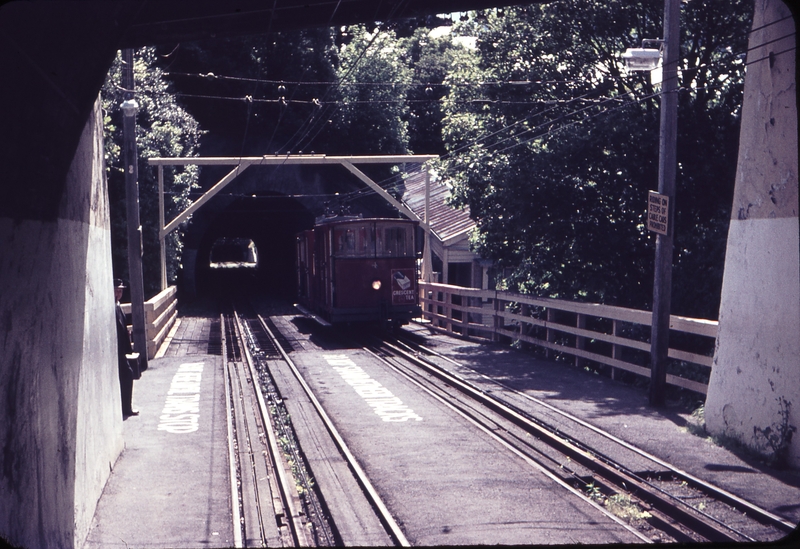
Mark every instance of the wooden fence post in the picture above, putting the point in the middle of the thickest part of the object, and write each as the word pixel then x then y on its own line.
pixel 551 334
pixel 616 350
pixel 448 298
pixel 526 311
pixel 497 320
pixel 580 341
pixel 439 307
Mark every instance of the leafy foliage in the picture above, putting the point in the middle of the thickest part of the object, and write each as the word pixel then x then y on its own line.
pixel 163 128
pixel 431 58
pixel 554 154
pixel 373 82
pixel 256 95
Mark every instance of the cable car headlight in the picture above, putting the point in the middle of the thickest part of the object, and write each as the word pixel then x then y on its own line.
pixel 376 284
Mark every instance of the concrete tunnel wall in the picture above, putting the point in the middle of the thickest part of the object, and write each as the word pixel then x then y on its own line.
pixel 60 409
pixel 274 238
pixel 754 390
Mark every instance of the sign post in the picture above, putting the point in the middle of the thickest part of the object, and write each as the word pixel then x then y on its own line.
pixel 667 168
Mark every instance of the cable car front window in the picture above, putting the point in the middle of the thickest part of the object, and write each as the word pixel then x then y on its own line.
pixel 353 241
pixel 396 242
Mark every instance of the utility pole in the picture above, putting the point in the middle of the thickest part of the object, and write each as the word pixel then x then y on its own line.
pixel 136 282
pixel 667 167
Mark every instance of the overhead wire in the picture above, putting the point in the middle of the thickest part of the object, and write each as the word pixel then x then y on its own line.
pixel 305 70
pixel 306 127
pixel 551 131
pixel 432 84
pixel 775 22
pixel 212 76
pixel 249 98
pixel 312 122
pixel 394 180
pixel 727 58
pixel 315 102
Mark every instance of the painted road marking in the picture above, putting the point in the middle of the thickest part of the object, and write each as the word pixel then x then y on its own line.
pixel 181 413
pixel 384 403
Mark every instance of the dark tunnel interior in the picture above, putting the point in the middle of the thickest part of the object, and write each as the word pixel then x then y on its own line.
pixel 271 223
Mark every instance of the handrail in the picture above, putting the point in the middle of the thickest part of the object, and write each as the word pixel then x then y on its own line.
pixel 587 331
pixel 160 313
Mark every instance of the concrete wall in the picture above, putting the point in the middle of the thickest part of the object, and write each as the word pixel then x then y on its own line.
pixel 60 419
pixel 754 390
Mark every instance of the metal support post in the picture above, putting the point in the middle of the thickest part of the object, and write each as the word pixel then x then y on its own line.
pixel 132 209
pixel 667 167
pixel 427 260
pixel 162 244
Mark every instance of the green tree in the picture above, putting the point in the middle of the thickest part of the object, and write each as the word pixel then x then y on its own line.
pixel 163 128
pixel 257 94
pixel 373 80
pixel 554 152
pixel 431 56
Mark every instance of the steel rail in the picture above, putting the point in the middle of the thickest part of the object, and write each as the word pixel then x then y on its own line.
pixel 386 518
pixel 760 514
pixel 246 443
pixel 299 533
pixel 236 497
pixel 658 520
pixel 261 356
pixel 684 513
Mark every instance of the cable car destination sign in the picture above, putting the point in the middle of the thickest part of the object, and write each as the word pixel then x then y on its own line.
pixel 658 213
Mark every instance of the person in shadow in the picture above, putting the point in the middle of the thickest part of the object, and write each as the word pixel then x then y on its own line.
pixel 125 360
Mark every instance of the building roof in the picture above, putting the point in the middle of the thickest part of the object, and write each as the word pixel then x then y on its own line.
pixel 447 223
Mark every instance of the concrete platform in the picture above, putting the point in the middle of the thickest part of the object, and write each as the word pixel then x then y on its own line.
pixel 171 485
pixel 669 433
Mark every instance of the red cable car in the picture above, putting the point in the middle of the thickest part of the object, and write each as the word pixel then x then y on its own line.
pixel 359 270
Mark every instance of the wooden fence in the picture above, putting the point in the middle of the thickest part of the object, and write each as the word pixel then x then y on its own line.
pixel 614 336
pixel 160 313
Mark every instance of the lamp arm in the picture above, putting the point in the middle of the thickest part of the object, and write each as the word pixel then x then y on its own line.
pixel 658 41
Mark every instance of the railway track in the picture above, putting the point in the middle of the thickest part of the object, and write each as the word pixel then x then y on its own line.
pixel 387 520
pixel 594 473
pixel 265 470
pixel 279 504
pixel 267 510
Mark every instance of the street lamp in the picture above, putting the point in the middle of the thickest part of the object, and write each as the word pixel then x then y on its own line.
pixel 641 59
pixel 644 58
pixel 129 107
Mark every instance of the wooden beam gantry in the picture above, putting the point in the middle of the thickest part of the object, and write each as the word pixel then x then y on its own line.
pixel 277 160
pixel 184 215
pixel 381 191
pixel 241 163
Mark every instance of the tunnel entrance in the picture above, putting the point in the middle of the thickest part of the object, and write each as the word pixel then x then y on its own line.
pixel 233 253
pixel 249 247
